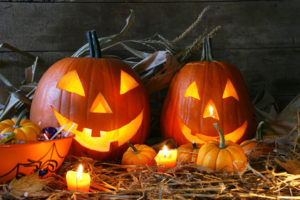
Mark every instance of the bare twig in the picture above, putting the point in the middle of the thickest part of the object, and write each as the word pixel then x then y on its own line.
pixel 192 26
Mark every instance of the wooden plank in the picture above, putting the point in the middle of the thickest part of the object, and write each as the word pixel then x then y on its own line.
pixel 276 70
pixel 62 26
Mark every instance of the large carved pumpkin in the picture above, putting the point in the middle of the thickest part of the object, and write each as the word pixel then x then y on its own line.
pixel 203 93
pixel 103 97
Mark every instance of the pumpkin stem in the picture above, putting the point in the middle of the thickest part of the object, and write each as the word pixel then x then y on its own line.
pixel 194 145
pixel 96 44
pixel 133 148
pixel 258 136
pixel 221 134
pixel 89 38
pixel 21 115
pixel 206 50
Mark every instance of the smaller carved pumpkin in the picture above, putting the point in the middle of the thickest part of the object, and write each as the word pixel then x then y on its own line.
pixel 22 129
pixel 205 92
pixel 187 153
pixel 223 156
pixel 139 154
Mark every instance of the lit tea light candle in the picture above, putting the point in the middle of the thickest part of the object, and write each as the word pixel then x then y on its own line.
pixel 166 158
pixel 78 181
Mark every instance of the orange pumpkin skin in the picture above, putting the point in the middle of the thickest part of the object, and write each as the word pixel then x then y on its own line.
pixel 256 148
pixel 212 157
pixel 98 128
pixel 144 155
pixel 214 83
pixel 249 146
pixel 27 130
pixel 187 153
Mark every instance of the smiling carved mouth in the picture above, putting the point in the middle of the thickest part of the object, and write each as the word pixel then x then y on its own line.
pixel 121 135
pixel 201 138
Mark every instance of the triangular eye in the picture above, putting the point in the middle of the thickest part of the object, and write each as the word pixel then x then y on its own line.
pixel 127 82
pixel 100 105
pixel 230 91
pixel 70 82
pixel 192 91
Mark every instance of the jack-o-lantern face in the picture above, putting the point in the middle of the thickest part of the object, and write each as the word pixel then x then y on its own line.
pixel 201 94
pixel 102 99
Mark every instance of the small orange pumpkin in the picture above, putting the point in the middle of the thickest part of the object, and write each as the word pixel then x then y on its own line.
pixel 224 156
pixel 23 129
pixel 187 153
pixel 139 154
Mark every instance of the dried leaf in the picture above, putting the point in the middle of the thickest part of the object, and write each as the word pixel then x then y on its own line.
pixel 10 104
pixel 151 62
pixel 137 53
pixel 30 72
pixel 263 100
pixel 7 82
pixel 109 39
pixel 292 166
pixel 24 53
pixel 162 78
pixel 289 113
pixel 28 88
pixel 22 97
pixel 31 186
pixel 279 124
pixel 3 97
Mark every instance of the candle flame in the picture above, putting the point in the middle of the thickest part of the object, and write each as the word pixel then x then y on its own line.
pixel 165 151
pixel 79 171
pixel 211 110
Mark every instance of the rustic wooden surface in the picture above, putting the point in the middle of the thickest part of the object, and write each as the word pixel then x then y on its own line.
pixel 262 38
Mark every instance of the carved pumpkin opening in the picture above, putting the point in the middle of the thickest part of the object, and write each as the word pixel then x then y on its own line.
pixel 211 111
pixel 70 82
pixel 102 143
pixel 192 91
pixel 229 91
pixel 100 105
pixel 127 83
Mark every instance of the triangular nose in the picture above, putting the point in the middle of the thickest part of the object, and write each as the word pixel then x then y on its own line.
pixel 210 110
pixel 100 105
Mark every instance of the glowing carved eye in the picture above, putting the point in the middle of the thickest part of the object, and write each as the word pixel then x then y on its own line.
pixel 70 82
pixel 229 91
pixel 127 83
pixel 100 105
pixel 192 91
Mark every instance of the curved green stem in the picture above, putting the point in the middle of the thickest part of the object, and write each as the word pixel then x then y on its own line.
pixel 221 134
pixel 95 50
pixel 258 136
pixel 91 47
pixel 133 148
pixel 96 44
pixel 21 115
pixel 206 51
